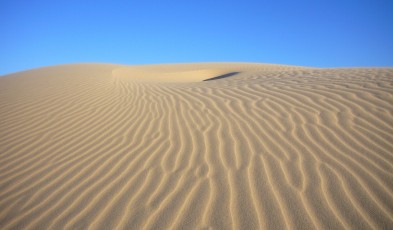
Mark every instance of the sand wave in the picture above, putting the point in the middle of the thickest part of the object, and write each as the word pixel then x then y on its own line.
pixel 272 147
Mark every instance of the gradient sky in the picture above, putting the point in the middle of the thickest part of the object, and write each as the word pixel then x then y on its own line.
pixel 325 33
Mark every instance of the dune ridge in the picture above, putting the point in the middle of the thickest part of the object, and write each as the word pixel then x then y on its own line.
pixel 102 146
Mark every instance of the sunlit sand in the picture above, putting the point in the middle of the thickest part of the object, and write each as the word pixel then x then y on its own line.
pixel 196 146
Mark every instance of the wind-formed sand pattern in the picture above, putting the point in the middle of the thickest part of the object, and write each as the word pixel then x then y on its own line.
pixel 96 146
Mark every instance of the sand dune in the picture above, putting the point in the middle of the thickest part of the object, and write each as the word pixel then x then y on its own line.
pixel 156 147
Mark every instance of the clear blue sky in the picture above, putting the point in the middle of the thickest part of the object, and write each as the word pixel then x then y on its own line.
pixel 325 33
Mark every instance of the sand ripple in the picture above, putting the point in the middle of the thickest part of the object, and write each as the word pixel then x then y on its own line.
pixel 271 147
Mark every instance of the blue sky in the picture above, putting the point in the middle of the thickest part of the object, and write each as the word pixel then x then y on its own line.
pixel 326 33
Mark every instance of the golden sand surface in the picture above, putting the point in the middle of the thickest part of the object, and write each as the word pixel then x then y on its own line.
pixel 101 146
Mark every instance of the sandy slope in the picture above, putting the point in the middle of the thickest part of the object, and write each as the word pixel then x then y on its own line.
pixel 155 147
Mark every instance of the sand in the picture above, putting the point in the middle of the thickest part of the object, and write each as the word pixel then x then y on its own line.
pixel 100 146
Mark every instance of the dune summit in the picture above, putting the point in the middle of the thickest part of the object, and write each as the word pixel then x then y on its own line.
pixel 196 146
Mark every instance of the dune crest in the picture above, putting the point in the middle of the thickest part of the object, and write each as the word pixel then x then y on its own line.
pixel 258 146
pixel 147 75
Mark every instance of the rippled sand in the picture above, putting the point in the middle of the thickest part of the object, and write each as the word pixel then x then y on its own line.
pixel 104 146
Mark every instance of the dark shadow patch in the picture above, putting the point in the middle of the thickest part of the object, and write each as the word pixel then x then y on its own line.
pixel 222 76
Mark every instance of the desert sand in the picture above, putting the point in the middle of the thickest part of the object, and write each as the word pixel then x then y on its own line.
pixel 102 146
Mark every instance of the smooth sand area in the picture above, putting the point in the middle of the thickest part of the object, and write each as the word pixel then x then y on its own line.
pixel 101 146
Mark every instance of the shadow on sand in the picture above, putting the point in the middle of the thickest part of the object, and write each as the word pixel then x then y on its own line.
pixel 222 76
